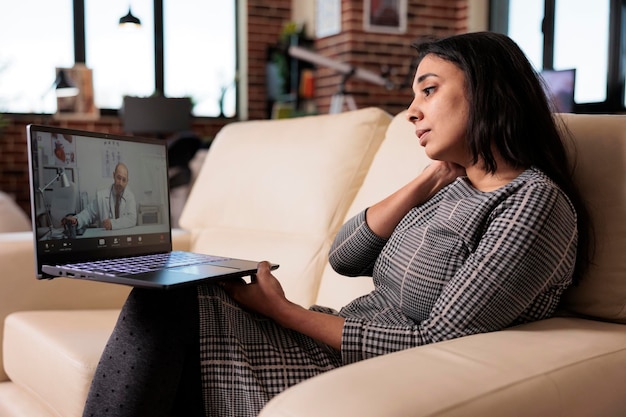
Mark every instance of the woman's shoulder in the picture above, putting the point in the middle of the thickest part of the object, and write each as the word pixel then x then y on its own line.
pixel 535 178
pixel 531 178
pixel 536 188
pixel 532 188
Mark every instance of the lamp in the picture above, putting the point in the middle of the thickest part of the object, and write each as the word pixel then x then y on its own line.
pixel 129 19
pixel 63 86
pixel 65 183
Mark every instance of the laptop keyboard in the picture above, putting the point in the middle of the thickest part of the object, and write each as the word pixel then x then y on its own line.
pixel 145 263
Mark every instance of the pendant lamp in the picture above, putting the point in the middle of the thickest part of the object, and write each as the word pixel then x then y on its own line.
pixel 129 19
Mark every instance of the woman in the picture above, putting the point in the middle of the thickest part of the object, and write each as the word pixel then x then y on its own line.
pixel 484 238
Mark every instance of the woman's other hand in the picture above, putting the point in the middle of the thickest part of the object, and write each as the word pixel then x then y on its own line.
pixel 265 295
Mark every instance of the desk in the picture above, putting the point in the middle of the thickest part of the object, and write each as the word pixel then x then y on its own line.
pixel 57 233
pixel 45 233
pixel 135 230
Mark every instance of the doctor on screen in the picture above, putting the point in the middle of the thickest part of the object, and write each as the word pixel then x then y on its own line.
pixel 113 208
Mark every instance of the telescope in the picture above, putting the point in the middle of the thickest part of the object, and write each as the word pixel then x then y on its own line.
pixel 340 98
pixel 343 68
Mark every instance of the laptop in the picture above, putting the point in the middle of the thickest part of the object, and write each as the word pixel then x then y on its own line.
pixel 72 177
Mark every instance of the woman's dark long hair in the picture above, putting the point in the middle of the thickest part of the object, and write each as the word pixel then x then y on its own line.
pixel 509 111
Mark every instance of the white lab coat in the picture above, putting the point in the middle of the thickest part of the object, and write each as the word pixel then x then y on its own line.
pixel 103 207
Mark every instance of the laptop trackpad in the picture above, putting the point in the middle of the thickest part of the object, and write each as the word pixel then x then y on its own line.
pixel 205 270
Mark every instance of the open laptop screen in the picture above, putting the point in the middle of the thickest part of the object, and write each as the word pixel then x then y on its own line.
pixel 97 196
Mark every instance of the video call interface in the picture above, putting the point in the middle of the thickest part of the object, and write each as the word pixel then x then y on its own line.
pixel 75 197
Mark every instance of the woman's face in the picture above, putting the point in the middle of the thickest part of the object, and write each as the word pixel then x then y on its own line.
pixel 439 110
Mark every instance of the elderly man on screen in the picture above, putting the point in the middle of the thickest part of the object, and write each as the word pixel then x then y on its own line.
pixel 114 207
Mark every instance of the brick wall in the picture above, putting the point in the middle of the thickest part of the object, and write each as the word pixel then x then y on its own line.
pixel 14 163
pixel 266 18
pixel 374 51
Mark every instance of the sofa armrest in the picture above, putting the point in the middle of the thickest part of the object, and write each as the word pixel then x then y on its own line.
pixel 554 367
pixel 21 291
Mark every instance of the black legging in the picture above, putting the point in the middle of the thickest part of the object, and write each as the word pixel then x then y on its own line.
pixel 150 366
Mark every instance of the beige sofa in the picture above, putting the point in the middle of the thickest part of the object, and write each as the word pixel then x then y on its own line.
pixel 279 190
pixel 12 218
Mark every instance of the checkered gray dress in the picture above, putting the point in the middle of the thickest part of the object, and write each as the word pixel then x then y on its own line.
pixel 465 262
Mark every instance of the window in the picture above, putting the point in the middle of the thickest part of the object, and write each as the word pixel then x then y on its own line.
pixel 525 18
pixel 32 45
pixel 563 34
pixel 122 58
pixel 575 46
pixel 197 57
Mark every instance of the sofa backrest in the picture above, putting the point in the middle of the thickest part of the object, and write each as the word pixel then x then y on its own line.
pixel 599 154
pixel 278 190
pixel 600 172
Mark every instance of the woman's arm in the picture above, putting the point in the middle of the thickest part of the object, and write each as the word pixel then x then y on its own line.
pixel 359 242
pixel 384 216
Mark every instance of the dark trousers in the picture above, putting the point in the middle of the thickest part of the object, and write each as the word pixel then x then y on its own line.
pixel 150 366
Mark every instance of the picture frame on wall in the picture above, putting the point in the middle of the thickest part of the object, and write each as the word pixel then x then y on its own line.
pixel 327 18
pixel 386 16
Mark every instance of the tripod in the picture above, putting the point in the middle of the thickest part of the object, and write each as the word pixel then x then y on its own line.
pixel 340 99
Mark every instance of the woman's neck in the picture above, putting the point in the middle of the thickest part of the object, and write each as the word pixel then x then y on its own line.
pixel 485 182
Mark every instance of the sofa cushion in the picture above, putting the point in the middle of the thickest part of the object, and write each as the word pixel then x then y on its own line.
pixel 301 258
pixel 600 172
pixel 399 159
pixel 289 175
pixel 54 354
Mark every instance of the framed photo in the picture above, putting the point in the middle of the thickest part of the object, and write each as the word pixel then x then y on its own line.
pixel 387 16
pixel 327 18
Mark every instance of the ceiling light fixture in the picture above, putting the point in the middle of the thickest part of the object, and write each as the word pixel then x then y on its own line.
pixel 129 19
